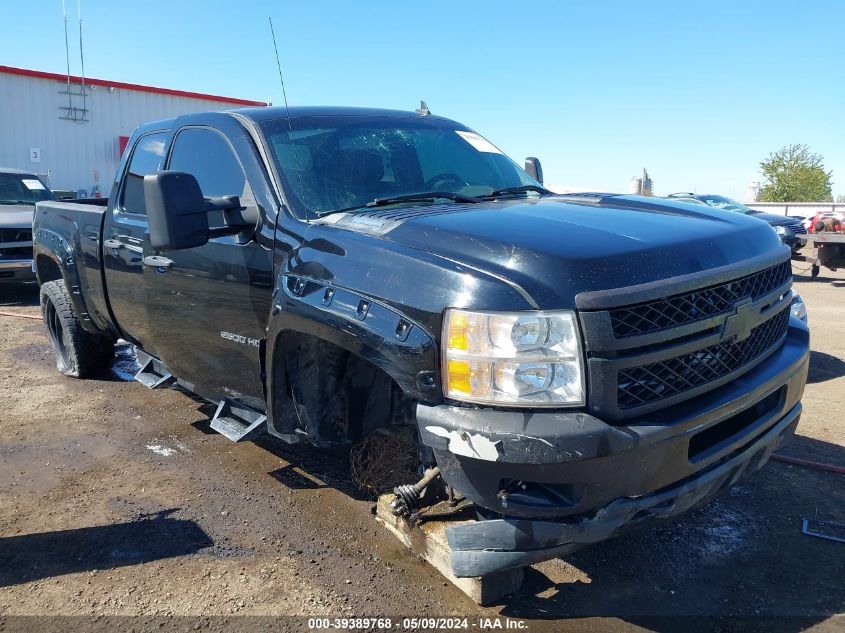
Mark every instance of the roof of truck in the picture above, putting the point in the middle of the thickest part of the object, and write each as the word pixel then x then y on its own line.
pixel 280 112
pixel 12 170
pixel 272 113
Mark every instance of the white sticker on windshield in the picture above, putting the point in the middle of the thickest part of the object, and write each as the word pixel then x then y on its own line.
pixel 33 184
pixel 478 142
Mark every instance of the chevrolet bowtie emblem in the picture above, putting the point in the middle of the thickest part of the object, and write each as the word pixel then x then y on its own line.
pixel 738 325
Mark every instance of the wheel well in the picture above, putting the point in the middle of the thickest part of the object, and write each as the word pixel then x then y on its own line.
pixel 334 395
pixel 47 269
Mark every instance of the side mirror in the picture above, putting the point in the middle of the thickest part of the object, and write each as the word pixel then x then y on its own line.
pixel 177 212
pixel 533 169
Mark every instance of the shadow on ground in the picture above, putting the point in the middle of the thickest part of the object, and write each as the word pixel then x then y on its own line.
pixel 18 295
pixel 743 556
pixel 824 367
pixel 821 279
pixel 814 450
pixel 311 467
pixel 307 467
pixel 29 557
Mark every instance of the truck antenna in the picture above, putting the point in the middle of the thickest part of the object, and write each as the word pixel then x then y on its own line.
pixel 290 125
pixel 82 61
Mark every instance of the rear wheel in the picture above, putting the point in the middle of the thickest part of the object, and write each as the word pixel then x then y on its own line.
pixel 78 353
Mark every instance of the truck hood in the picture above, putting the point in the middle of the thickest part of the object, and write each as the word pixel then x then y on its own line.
pixel 16 216
pixel 555 247
pixel 774 219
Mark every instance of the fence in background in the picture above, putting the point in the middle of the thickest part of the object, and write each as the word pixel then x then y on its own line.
pixel 799 209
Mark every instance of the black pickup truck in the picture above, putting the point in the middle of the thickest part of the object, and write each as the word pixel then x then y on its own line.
pixel 571 365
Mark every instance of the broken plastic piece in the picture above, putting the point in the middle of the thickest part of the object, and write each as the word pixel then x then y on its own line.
pixel 824 529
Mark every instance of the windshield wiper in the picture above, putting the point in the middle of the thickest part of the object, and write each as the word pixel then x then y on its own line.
pixel 16 202
pixel 410 197
pixel 498 193
pixel 414 197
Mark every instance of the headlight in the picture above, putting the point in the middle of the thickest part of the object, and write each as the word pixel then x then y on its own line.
pixel 530 359
pixel 798 309
pixel 782 231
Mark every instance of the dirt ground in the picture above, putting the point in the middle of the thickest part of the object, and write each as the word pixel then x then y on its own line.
pixel 120 501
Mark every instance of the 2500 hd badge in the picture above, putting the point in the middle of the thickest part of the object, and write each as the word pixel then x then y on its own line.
pixel 238 338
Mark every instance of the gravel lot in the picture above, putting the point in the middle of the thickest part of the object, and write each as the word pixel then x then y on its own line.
pixel 116 500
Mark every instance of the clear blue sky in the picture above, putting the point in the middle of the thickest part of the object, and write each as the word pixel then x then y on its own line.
pixel 698 93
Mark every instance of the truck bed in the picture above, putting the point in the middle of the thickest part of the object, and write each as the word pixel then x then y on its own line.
pixel 67 238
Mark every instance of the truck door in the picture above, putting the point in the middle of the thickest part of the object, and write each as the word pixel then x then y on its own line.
pixel 125 234
pixel 208 307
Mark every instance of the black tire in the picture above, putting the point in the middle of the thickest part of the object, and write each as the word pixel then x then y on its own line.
pixel 79 353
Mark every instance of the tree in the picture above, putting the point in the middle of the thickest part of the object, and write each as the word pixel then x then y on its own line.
pixel 795 174
pixel 840 199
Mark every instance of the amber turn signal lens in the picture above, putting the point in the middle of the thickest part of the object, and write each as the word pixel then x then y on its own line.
pixel 458 332
pixel 459 375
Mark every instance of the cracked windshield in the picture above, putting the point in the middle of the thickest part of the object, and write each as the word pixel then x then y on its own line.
pixel 343 163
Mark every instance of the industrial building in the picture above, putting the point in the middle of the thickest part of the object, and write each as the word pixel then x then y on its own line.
pixel 72 130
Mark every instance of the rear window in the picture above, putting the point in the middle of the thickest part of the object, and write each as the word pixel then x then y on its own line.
pixel 22 189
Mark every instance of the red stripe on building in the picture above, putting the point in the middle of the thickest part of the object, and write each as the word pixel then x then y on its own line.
pixel 126 86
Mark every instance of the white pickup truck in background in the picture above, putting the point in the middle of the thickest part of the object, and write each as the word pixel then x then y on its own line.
pixel 19 191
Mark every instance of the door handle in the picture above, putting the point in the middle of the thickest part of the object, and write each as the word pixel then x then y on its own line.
pixel 113 244
pixel 157 261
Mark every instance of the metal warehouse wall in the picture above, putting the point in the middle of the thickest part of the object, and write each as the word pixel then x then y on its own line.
pixel 78 155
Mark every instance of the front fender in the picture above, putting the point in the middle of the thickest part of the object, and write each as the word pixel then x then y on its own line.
pixel 380 301
pixel 353 321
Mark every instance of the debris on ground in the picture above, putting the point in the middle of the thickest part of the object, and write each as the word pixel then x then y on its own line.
pixel 381 462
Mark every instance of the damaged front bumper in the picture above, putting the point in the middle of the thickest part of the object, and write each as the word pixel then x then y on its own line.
pixel 564 480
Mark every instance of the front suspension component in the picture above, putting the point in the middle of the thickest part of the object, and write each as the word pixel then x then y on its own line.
pixel 408 496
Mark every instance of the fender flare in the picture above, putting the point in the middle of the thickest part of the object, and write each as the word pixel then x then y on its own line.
pixel 359 324
pixel 60 252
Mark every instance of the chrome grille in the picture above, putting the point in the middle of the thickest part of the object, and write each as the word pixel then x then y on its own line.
pixel 699 304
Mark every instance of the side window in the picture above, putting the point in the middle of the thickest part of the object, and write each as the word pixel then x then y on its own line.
pixel 147 158
pixel 210 159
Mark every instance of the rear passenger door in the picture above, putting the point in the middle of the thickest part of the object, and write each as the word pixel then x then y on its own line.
pixel 124 237
pixel 208 309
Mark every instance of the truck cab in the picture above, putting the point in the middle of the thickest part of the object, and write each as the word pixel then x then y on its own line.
pixel 571 366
